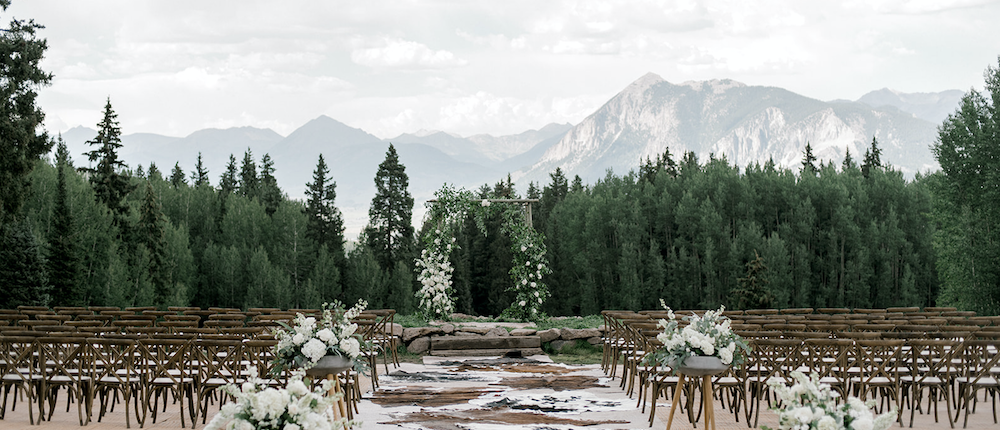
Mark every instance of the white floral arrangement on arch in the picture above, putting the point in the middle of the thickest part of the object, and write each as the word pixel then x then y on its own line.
pixel 296 407
pixel 808 405
pixel 435 276
pixel 301 344
pixel 707 335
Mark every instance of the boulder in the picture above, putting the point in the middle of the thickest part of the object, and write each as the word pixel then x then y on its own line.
pixel 583 333
pixel 523 332
pixel 475 329
pixel 397 330
pixel 464 334
pixel 558 345
pixel 548 335
pixel 497 332
pixel 447 328
pixel 419 345
pixel 596 340
pixel 411 333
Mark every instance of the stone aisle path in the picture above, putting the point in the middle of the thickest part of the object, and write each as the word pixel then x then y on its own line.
pixel 483 393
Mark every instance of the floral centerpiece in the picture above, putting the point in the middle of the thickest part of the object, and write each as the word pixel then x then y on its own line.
pixel 435 276
pixel 811 405
pixel 302 344
pixel 295 407
pixel 708 335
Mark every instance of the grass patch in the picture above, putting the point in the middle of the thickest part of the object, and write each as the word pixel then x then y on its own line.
pixel 411 320
pixel 580 352
pixel 589 321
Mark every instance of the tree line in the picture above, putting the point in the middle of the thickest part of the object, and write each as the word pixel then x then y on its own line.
pixel 698 234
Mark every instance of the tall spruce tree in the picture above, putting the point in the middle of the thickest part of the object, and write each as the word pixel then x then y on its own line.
pixel 390 227
pixel 150 233
pixel 324 222
pixel 873 158
pixel 108 178
pixel 270 194
pixel 64 257
pixel 20 78
pixel 227 182
pixel 23 271
pixel 177 178
pixel 249 184
pixel 808 161
pixel 200 173
pixel 848 161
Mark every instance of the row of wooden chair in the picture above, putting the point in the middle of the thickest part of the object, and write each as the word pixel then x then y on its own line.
pixel 839 357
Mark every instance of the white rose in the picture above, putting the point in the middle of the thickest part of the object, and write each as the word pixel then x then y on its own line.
pixel 298 338
pixel 485 202
pixel 326 335
pixel 533 285
pixel 803 415
pixel 522 303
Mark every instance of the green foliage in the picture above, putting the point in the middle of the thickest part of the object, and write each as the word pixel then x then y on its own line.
pixel 589 321
pixel 967 191
pixel 22 268
pixel 752 291
pixel 177 178
pixel 21 146
pixel 389 233
pixel 200 174
pixel 324 222
pixel 111 184
pixel 64 255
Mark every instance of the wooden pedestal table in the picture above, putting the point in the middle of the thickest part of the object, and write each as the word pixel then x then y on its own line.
pixel 330 366
pixel 705 367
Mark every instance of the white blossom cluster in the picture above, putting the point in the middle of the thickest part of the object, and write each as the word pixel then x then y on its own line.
pixel 808 404
pixel 708 335
pixel 307 340
pixel 528 269
pixel 435 277
pixel 294 407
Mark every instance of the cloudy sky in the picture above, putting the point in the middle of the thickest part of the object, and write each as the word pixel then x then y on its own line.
pixel 467 67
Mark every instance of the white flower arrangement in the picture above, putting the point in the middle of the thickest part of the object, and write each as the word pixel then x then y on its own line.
pixel 707 335
pixel 307 340
pixel 808 404
pixel 295 407
pixel 527 248
pixel 435 279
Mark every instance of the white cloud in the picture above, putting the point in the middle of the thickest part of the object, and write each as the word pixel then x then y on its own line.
pixel 399 53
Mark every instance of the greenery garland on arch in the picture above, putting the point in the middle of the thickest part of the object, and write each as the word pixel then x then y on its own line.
pixel 527 251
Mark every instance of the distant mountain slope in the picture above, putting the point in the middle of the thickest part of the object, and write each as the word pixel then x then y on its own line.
pixel 932 107
pixel 745 124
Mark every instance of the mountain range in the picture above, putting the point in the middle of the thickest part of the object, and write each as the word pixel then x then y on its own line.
pixel 720 118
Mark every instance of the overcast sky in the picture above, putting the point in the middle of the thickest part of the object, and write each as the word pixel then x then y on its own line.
pixel 468 67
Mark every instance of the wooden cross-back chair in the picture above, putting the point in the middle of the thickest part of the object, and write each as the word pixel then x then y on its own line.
pixel 930 367
pixel 980 360
pixel 166 364
pixel 220 362
pixel 20 373
pixel 879 362
pixel 774 359
pixel 65 363
pixel 117 373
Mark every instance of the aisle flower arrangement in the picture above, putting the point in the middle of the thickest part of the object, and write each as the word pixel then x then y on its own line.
pixel 809 404
pixel 301 344
pixel 435 276
pixel 257 406
pixel 708 335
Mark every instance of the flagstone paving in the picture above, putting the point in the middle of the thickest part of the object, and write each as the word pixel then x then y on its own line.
pixel 476 393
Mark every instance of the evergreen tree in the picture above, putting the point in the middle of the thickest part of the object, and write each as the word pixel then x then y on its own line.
pixel 249 184
pixel 752 291
pixel 552 195
pixel 533 192
pixel 809 161
pixel 200 173
pixel 64 258
pixel 150 234
pixel 22 268
pixel 177 178
pixel 21 145
pixel 227 182
pixel 270 194
pixel 154 172
pixel 873 159
pixel 577 184
pixel 110 183
pixel 390 228
pixel 324 222
pixel 848 161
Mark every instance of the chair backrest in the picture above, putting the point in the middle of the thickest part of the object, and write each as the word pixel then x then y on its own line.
pixel 879 359
pixel 64 358
pixel 776 358
pixel 220 360
pixel 115 360
pixel 828 357
pixel 165 360
pixel 928 359
pixel 979 358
